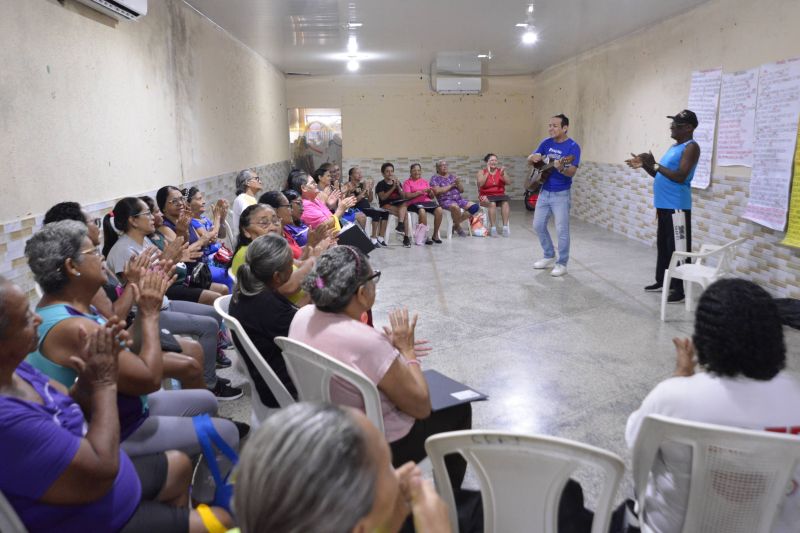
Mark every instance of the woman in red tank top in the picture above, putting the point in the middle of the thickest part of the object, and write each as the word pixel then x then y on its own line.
pixel 492 182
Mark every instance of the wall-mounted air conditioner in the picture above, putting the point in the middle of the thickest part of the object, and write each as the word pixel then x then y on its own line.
pixel 119 9
pixel 456 73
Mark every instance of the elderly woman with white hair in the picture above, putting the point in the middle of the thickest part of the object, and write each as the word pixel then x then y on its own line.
pixel 448 190
pixel 69 269
pixel 248 185
pixel 315 467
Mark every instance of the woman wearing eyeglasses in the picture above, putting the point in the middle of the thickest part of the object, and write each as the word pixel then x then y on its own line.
pixel 126 235
pixel 258 220
pixel 342 286
pixel 248 185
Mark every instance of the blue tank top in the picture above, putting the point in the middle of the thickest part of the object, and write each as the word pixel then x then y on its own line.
pixel 666 193
pixel 133 410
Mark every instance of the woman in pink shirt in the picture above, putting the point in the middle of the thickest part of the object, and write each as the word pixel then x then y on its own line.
pixel 342 286
pixel 421 200
pixel 315 211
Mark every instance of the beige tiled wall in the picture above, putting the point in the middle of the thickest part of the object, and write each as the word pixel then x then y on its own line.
pixel 620 199
pixel 13 264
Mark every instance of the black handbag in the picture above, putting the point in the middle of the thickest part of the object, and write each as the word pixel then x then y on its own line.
pixel 200 276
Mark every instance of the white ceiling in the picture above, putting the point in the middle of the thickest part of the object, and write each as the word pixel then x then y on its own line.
pixel 404 36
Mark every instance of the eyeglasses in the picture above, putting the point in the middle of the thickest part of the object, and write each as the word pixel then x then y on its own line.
pixel 176 201
pixel 266 222
pixel 258 179
pixel 374 277
pixel 147 213
pixel 289 206
pixel 90 251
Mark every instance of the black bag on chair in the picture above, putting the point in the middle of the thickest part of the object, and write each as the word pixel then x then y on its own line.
pixel 200 276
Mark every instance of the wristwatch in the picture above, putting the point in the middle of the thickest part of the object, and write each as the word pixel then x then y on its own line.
pixel 656 167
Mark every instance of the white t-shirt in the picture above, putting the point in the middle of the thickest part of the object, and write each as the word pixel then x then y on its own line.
pixel 708 398
pixel 242 202
pixel 357 345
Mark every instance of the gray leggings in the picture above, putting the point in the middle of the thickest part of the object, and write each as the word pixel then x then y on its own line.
pixel 170 427
pixel 198 320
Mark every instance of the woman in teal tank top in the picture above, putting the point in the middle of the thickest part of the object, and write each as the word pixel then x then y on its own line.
pixel 69 270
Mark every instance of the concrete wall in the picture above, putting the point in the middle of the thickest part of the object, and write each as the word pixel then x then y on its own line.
pixel 617 97
pixel 92 110
pixel 401 116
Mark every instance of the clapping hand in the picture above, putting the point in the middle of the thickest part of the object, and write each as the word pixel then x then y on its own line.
pixel 643 160
pixel 684 351
pixel 401 332
pixel 149 293
pixel 182 225
pixel 137 264
pixel 98 365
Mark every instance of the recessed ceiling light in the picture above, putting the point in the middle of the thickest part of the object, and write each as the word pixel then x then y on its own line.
pixel 353 65
pixel 484 56
pixel 352 44
pixel 529 37
pixel 521 24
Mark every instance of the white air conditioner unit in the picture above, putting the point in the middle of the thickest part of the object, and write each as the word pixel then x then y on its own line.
pixel 119 9
pixel 456 73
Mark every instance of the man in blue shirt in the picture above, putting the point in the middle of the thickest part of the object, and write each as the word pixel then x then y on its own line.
pixel 554 198
pixel 672 191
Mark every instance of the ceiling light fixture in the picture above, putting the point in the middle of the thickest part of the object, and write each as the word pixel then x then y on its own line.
pixel 529 36
pixel 353 25
pixel 352 45
pixel 353 65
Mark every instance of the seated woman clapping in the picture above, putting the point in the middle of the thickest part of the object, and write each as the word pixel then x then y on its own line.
pixel 69 270
pixel 295 228
pixel 448 189
pixel 315 210
pixel 342 286
pixel 256 221
pixel 421 199
pixel 264 312
pixel 63 469
pixel 492 181
pixel 315 467
pixel 210 229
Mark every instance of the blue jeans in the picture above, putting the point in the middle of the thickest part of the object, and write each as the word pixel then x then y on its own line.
pixel 556 204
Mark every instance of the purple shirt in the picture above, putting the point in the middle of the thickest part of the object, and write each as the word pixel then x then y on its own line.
pixel 450 197
pixel 37 443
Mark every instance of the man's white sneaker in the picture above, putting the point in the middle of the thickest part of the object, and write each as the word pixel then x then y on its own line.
pixel 493 232
pixel 506 231
pixel 544 263
pixel 559 271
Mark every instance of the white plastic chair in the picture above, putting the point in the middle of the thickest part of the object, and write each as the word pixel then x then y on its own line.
pixel 698 271
pixel 522 476
pixel 9 521
pixel 230 239
pixel 739 477
pixel 312 371
pixel 284 398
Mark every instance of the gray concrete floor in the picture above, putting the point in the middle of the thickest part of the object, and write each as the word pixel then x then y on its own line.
pixel 570 357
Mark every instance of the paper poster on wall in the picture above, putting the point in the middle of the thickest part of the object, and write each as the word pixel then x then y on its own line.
pixel 777 113
pixel 792 237
pixel 703 100
pixel 737 117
